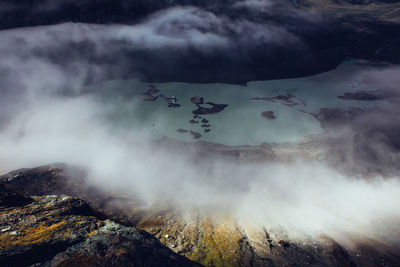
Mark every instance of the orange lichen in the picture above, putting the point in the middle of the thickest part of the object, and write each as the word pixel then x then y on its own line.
pixel 92 233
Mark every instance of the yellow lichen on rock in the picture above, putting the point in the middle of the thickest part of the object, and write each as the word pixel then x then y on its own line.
pixel 31 235
pixel 151 222
pixel 210 241
pixel 220 243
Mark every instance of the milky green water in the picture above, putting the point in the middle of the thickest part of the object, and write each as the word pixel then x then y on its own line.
pixel 241 122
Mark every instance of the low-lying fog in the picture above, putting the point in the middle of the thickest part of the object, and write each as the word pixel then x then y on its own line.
pixel 48 114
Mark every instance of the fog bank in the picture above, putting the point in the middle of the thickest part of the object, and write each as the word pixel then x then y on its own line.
pixel 46 117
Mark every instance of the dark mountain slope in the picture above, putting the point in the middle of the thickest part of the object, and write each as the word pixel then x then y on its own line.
pixel 65 231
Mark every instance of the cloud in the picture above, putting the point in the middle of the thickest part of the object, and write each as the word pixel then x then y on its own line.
pixel 181 27
pixel 306 197
pixel 376 134
pixel 51 6
pixel 196 42
pixel 7 7
pixel 46 116
pixel 254 5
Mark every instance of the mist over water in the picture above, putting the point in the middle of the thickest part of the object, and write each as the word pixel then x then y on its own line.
pixel 56 107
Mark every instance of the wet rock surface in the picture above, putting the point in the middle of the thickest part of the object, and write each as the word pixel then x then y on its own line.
pixel 65 231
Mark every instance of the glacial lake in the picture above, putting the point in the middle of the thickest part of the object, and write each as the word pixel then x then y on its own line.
pixel 241 122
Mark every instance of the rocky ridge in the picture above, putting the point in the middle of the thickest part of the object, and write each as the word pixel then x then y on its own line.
pixel 208 240
pixel 64 231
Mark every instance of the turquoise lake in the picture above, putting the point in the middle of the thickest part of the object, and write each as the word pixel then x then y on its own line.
pixel 241 122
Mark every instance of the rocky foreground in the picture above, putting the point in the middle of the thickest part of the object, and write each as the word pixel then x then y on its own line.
pixel 65 231
pixel 61 230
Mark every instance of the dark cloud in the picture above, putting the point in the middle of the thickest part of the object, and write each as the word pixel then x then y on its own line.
pixel 6 8
pixel 195 41
pixel 232 41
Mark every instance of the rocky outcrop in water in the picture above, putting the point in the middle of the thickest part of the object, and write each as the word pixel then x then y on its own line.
pixel 195 135
pixel 198 100
pixel 283 99
pixel 215 108
pixel 268 115
pixel 362 96
pixel 147 97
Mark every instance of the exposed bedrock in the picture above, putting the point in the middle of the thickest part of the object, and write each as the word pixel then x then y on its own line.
pixel 65 231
